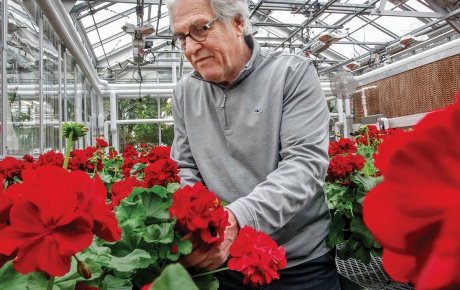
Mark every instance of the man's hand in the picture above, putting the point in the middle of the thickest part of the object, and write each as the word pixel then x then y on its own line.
pixel 216 256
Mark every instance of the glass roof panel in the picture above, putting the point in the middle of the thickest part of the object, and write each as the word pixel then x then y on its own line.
pixel 366 30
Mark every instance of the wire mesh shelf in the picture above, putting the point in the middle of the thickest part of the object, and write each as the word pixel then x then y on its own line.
pixel 370 276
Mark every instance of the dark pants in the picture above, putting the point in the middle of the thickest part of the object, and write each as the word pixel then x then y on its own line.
pixel 317 274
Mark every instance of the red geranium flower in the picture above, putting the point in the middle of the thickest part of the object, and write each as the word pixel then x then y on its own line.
pixel 10 167
pixel 157 153
pixel 28 158
pixel 341 166
pixel 414 212
pixel 199 212
pixel 51 158
pixel 45 228
pixel 257 256
pixel 101 143
pixel 92 196
pixel 122 189
pixel 161 172
pixel 344 145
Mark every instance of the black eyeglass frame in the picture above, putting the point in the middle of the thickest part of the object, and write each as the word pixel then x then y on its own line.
pixel 204 27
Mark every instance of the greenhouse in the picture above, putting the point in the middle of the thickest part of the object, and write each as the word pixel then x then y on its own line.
pixel 113 87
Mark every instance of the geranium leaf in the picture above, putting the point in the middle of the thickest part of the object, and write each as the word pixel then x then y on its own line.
pixel 106 178
pixel 174 276
pixel 130 213
pixel 172 187
pixel 358 252
pixel 361 233
pixel 368 182
pixel 136 259
pixel 137 167
pixel 160 191
pixel 159 233
pixel 113 283
pixel 12 280
pixel 130 240
pixel 335 235
pixel 154 205
pixel 184 246
pixel 208 282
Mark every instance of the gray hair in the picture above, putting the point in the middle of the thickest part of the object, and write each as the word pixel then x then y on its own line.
pixel 225 10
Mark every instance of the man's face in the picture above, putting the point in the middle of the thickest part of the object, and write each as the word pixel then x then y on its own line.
pixel 218 57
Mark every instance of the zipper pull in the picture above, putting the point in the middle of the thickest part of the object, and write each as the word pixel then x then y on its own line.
pixel 223 102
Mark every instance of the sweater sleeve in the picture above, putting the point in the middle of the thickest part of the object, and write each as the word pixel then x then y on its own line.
pixel 180 149
pixel 296 183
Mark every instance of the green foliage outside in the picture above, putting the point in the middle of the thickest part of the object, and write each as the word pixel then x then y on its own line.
pixel 144 108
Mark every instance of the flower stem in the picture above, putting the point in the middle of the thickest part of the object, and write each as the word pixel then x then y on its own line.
pixel 50 283
pixel 210 272
pixel 67 150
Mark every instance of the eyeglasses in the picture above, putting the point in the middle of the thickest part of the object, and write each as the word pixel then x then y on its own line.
pixel 197 33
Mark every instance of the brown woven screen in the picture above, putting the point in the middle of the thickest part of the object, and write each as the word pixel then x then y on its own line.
pixel 420 90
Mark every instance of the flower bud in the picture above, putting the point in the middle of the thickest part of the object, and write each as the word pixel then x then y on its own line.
pixel 77 130
pixel 174 249
pixel 83 270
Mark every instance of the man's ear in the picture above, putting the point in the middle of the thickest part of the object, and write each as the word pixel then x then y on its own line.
pixel 238 23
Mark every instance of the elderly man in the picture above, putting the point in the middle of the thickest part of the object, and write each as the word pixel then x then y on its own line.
pixel 252 126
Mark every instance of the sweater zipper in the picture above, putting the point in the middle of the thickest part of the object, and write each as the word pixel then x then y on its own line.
pixel 224 110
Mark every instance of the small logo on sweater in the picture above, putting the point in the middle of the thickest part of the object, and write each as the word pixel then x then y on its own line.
pixel 258 110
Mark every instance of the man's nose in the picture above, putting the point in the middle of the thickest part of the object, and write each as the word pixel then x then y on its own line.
pixel 191 45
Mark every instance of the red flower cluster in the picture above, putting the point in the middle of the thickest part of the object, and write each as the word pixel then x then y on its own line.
pixel 101 143
pixel 160 169
pixel 122 189
pixel 341 166
pixel 257 256
pixel 199 213
pixel 88 159
pixel 372 136
pixel 344 145
pixel 11 168
pixel 52 215
pixel 414 213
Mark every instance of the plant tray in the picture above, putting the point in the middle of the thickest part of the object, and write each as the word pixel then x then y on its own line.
pixel 371 276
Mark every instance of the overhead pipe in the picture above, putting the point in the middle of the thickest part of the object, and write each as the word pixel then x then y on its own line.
pixel 62 24
pixel 453 46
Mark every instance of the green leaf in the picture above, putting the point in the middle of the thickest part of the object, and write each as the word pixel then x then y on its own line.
pixel 106 178
pixel 137 167
pixel 129 241
pixel 172 187
pixel 160 191
pixel 130 213
pixel 184 246
pixel 208 282
pixel 368 182
pixel 155 206
pixel 335 235
pixel 361 232
pixel 137 259
pixel 174 277
pixel 358 252
pixel 113 283
pixel 159 233
pixel 12 280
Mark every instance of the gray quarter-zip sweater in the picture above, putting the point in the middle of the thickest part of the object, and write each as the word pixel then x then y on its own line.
pixel 260 144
